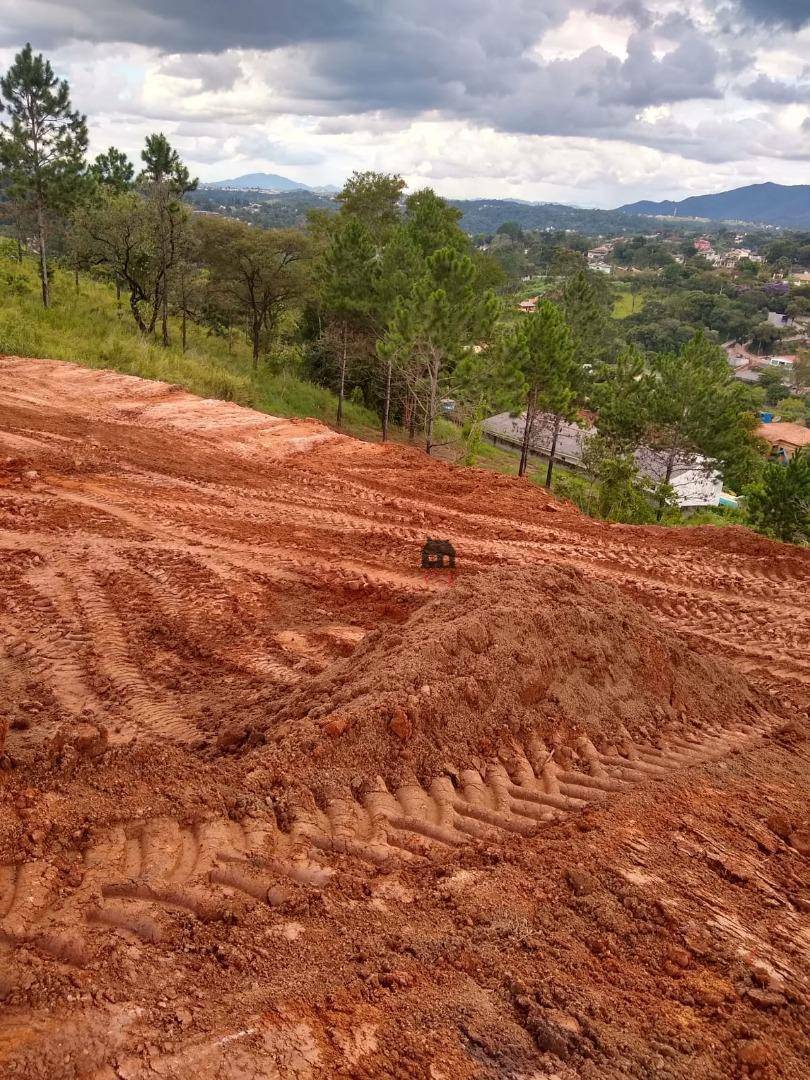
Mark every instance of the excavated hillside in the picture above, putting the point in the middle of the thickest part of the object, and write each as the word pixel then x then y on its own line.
pixel 275 802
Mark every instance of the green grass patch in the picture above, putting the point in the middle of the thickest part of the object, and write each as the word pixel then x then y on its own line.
pixel 626 304
pixel 91 328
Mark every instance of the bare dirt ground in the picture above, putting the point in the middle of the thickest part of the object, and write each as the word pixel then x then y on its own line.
pixel 275 803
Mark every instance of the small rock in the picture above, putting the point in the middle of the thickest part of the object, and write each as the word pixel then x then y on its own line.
pixel 336 726
pixel 799 840
pixel 779 824
pixel 754 1056
pixel 766 999
pixel 582 883
pixel 400 723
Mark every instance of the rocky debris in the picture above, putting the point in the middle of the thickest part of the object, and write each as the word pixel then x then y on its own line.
pixel 81 739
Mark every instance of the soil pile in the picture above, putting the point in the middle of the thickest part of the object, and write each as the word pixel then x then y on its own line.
pixel 511 654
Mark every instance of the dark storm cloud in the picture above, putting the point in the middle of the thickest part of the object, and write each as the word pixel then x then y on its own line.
pixel 187 26
pixel 778 92
pixel 392 60
pixel 791 13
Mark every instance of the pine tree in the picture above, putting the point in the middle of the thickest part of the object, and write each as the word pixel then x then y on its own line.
pixel 348 289
pixel 113 170
pixel 42 146
pixel 166 180
pixel 586 306
pixel 621 396
pixel 552 376
pixel 699 410
pixel 779 504
pixel 444 316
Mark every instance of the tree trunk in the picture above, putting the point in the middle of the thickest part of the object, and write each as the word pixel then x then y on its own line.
pixel 184 329
pixel 255 334
pixel 76 277
pixel 387 404
pixel 43 261
pixel 430 411
pixel 553 452
pixel 164 315
pixel 410 413
pixel 136 314
pixel 118 290
pixel 342 389
pixel 528 429
pixel 667 477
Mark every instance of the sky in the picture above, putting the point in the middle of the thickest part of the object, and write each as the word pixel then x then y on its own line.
pixel 590 102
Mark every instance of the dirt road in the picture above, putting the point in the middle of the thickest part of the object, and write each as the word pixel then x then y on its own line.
pixel 278 803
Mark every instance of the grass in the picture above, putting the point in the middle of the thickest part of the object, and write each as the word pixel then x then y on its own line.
pixel 624 304
pixel 92 329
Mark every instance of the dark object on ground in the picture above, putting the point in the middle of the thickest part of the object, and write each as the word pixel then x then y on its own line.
pixel 434 553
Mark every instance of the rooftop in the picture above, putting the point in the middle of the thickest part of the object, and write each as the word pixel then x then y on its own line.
pixel 785 432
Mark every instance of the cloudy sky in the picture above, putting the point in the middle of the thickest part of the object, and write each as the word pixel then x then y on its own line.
pixel 592 102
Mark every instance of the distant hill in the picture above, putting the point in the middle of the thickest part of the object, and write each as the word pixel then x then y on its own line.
pixel 485 215
pixel 259 181
pixel 771 204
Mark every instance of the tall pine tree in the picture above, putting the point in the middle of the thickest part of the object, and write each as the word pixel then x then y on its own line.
pixel 443 317
pixel 544 356
pixel 42 145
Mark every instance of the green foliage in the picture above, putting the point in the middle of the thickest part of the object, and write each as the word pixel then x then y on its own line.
pixel 432 328
pixel 42 147
pixel 698 409
pixel 587 304
pixel 43 143
pixel 779 504
pixel 162 165
pixel 621 398
pixel 372 198
pixel 91 330
pixel 792 409
pixel 113 170
pixel 773 382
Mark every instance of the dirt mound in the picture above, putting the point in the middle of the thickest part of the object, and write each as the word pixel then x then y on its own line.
pixel 502 656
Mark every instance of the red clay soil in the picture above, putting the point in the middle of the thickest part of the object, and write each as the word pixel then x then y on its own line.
pixel 275 803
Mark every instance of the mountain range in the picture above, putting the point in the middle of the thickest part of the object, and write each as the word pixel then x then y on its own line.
pixel 768 204
pixel 269 182
pixel 771 204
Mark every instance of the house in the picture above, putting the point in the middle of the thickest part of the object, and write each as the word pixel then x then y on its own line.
pixel 776 318
pixel 528 306
pixel 703 246
pixel 784 362
pixel 785 438
pixel 695 482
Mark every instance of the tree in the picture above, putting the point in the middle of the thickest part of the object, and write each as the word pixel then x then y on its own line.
pixel 254 273
pixel 792 409
pixel 764 336
pixel 113 171
pixel 433 224
pixel 348 288
pixel 432 328
pixel 699 410
pixel 543 355
pixel 586 305
pixel 165 180
pixel 772 381
pixel 162 165
pixel 621 398
pixel 779 504
pixel 123 234
pixel 42 147
pixel 373 198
